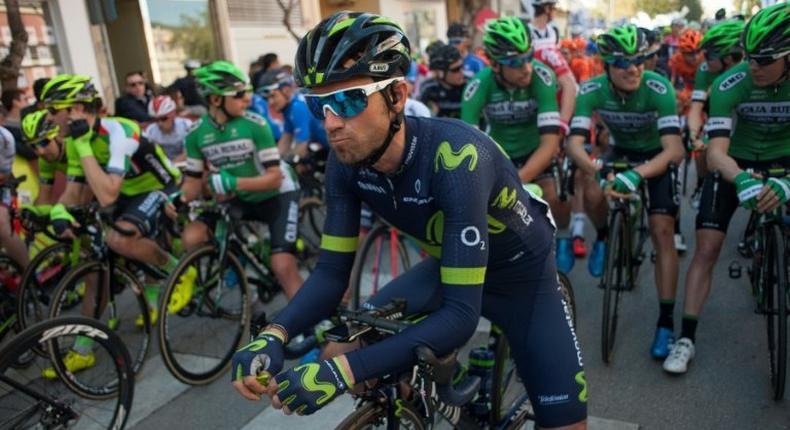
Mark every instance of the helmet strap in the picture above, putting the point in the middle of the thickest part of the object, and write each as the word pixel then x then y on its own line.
pixel 394 128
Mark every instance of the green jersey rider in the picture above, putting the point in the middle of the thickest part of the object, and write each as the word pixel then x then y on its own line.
pixel 721 45
pixel 106 158
pixel 748 127
pixel 639 110
pixel 238 148
pixel 518 96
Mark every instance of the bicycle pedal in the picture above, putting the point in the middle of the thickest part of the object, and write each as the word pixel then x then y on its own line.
pixel 735 270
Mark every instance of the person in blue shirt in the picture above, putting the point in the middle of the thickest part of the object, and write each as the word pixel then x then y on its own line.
pixel 300 126
pixel 458 36
pixel 261 107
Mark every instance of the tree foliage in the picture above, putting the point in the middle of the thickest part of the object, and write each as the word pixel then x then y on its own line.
pixel 9 66
pixel 195 36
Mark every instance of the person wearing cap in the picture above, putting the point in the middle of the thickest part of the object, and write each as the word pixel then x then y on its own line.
pixel 458 36
pixel 167 129
pixel 300 127
pixel 188 87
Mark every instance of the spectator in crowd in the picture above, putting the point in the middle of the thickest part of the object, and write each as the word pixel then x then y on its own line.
pixel 134 103
pixel 188 86
pixel 458 36
pixel 168 129
pixel 414 107
pixel 13 102
pixel 38 85
pixel 266 62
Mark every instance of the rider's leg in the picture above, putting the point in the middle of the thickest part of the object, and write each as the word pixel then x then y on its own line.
pixel 287 272
pixel 559 209
pixel 12 243
pixel 194 234
pixel 283 221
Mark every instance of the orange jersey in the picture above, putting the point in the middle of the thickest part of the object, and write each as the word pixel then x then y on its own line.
pixel 581 68
pixel 683 70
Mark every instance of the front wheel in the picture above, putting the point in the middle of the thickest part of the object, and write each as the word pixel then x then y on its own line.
pixel 615 280
pixel 198 341
pixel 775 292
pixel 373 415
pixel 381 258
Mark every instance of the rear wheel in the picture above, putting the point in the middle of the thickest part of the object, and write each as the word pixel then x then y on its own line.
pixel 381 258
pixel 119 310
pixel 373 415
pixel 197 342
pixel 40 280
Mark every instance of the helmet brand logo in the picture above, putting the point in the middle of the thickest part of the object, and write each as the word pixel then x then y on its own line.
pixel 379 67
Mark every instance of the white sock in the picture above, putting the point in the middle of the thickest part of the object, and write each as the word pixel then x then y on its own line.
pixel 577 225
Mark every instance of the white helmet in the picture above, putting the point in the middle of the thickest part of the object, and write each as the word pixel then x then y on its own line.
pixel 160 106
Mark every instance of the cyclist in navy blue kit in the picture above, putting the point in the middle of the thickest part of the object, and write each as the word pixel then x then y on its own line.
pixel 450 187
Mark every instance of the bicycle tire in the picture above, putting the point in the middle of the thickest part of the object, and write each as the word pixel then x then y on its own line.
pixel 119 314
pixel 373 415
pixel 176 357
pixel 359 269
pixel 566 290
pixel 312 213
pixel 614 277
pixel 639 236
pixel 34 295
pixel 775 299
pixel 113 362
pixel 507 388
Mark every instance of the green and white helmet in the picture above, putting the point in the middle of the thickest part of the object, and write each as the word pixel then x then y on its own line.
pixel 724 37
pixel 622 41
pixel 221 78
pixel 767 34
pixel 505 37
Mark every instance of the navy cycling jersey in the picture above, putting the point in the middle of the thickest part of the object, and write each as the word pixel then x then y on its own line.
pixel 458 194
pixel 301 124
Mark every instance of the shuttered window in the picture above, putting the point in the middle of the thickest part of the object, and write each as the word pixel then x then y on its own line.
pixel 265 12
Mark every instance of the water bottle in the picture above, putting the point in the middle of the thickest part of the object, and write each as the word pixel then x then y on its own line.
pixel 481 364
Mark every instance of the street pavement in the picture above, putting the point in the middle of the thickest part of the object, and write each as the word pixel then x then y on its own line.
pixel 727 385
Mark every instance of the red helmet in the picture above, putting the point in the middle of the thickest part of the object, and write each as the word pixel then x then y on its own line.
pixel 689 41
pixel 160 106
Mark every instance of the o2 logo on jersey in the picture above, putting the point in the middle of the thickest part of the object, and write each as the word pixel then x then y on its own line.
pixel 731 81
pixel 470 236
pixel 656 86
pixel 471 89
pixel 589 87
pixel 544 74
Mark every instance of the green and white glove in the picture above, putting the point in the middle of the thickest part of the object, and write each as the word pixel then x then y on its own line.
pixel 748 188
pixel 781 187
pixel 222 183
pixel 61 219
pixel 627 182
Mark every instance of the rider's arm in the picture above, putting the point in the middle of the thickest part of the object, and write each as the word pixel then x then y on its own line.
pixel 284 144
pixel 462 270
pixel 695 120
pixel 106 182
pixel 718 159
pixel 474 99
pixel 586 102
pixel 668 124
pixel 193 172
pixel 723 100
pixel 321 293
pixel 544 87
pixel 567 84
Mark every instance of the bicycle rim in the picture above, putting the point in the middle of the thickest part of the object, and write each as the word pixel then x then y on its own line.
pixel 508 393
pixel 375 260
pixel 198 342
pixel 29 409
pixel 39 281
pixel 373 416
pixel 120 312
pixel 775 291
pixel 614 281
pixel 566 290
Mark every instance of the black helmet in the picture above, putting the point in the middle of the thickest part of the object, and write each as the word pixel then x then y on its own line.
pixel 272 80
pixel 433 47
pixel 376 44
pixel 457 30
pixel 443 56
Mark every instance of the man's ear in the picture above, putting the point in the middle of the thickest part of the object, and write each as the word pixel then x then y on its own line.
pixel 399 92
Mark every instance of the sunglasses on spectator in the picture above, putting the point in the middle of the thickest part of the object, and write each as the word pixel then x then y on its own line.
pixel 516 61
pixel 455 69
pixel 624 63
pixel 135 83
pixel 345 103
